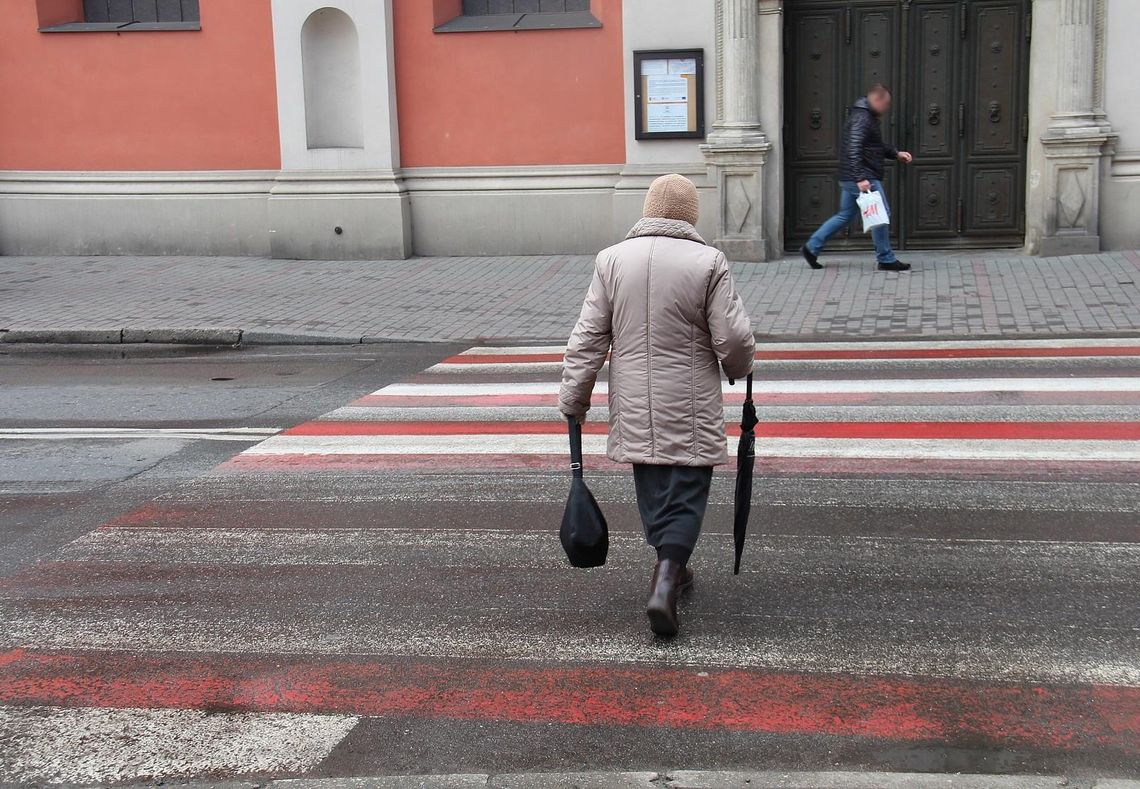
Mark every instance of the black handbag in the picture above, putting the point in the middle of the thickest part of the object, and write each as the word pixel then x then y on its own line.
pixel 584 534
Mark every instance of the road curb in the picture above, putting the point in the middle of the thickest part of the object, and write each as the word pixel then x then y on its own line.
pixel 698 779
pixel 271 337
pixel 62 336
pixel 177 335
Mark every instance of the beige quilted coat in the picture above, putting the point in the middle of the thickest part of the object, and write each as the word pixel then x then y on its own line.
pixel 666 304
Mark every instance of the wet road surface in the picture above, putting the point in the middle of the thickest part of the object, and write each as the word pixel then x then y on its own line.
pixel 941 574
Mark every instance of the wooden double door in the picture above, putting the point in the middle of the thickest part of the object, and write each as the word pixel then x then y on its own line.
pixel 959 72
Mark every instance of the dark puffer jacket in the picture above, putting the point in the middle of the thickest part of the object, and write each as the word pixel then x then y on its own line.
pixel 862 150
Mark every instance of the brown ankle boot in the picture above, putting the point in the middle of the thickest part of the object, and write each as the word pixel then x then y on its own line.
pixel 661 609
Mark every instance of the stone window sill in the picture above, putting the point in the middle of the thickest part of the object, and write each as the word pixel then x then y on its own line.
pixel 119 27
pixel 550 20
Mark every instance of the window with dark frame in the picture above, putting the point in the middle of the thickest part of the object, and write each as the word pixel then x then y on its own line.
pixel 140 11
pixel 489 15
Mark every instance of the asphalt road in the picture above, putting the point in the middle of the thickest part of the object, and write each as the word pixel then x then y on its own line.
pixel 340 562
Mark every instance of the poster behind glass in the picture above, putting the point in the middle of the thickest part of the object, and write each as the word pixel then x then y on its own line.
pixel 669 94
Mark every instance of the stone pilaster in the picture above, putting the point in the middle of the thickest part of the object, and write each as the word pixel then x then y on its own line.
pixel 1077 137
pixel 737 147
pixel 340 194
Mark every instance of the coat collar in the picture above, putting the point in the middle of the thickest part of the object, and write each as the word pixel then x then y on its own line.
pixel 672 228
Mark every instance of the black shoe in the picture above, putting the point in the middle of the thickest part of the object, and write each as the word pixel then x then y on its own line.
pixel 685 581
pixel 661 609
pixel 812 260
pixel 898 265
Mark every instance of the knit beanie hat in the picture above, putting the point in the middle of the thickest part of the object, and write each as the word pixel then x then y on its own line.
pixel 673 197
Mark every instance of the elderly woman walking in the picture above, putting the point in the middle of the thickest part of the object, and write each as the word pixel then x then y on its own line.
pixel 664 306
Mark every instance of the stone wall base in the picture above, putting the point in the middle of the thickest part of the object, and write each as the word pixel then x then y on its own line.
pixel 381 215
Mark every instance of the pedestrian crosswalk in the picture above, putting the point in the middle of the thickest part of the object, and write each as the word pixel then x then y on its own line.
pixel 497 406
pixel 944 549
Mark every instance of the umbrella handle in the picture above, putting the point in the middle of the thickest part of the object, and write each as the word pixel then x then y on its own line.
pixel 748 394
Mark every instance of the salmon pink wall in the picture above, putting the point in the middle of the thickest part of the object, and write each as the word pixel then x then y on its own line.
pixel 186 100
pixel 508 98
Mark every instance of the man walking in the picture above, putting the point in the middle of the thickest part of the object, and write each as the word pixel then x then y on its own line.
pixel 861 156
pixel 663 305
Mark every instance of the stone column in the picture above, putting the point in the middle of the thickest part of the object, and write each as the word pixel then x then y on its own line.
pixel 1076 81
pixel 1077 138
pixel 737 147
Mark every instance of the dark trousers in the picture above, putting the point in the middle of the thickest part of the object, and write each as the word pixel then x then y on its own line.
pixel 672 501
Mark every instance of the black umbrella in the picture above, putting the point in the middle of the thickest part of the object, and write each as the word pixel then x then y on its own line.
pixel 745 461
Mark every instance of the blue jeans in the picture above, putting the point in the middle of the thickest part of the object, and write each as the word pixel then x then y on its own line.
pixel 848 211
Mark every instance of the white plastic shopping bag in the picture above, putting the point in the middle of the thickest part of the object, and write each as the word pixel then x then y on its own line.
pixel 874 210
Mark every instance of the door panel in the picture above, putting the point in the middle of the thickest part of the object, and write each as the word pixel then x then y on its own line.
pixel 877 40
pixel 816 120
pixel 813 199
pixel 995 199
pixel 959 68
pixel 996 111
pixel 932 201
pixel 934 114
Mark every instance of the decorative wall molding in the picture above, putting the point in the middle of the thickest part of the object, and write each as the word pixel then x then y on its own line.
pixel 1126 164
pixel 555 178
pixel 137 184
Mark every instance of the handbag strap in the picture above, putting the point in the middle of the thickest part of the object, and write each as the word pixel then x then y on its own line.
pixel 575 446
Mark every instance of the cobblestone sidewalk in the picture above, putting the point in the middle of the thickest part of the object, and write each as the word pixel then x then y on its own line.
pixel 438 299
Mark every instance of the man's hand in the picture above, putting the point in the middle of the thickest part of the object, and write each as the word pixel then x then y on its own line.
pixel 864 186
pixel 905 157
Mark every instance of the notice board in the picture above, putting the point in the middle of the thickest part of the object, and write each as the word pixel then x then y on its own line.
pixel 669 94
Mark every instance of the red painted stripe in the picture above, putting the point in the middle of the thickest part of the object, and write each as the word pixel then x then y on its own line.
pixel 907 710
pixel 1052 431
pixel 736 398
pixel 846 353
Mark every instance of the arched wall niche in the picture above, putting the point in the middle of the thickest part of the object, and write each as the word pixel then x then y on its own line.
pixel 330 59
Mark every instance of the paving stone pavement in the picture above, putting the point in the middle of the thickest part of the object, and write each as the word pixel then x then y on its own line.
pixel 995 293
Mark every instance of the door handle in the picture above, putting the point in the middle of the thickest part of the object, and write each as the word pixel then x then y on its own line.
pixel 934 115
pixel 995 112
pixel 816 118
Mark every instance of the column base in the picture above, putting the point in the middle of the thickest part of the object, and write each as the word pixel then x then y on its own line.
pixel 737 168
pixel 1072 214
pixel 340 216
pixel 1063 246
